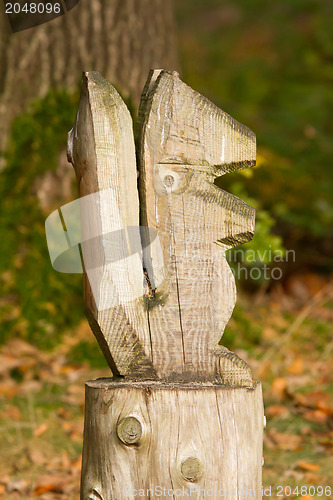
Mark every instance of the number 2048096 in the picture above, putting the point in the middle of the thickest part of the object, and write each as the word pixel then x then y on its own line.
pixel 321 491
pixel 33 8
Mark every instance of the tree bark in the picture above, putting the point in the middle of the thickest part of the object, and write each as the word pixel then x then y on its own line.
pixel 121 39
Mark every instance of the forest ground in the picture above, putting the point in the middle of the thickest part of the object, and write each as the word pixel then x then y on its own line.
pixel 288 346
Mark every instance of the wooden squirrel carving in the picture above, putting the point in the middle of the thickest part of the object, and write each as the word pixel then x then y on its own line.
pixel 173 227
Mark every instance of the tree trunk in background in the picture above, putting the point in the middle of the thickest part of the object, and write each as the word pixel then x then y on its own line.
pixel 121 39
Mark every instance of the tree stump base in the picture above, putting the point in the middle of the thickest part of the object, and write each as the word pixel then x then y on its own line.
pixel 147 439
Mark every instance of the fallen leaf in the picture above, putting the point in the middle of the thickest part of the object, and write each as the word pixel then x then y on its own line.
pixel 307 497
pixel 18 348
pixel 7 363
pixel 77 464
pixel 325 408
pixel 312 478
pixel 30 386
pixel 317 416
pixel 36 456
pixel 277 411
pixel 19 485
pixel 41 429
pixel 303 464
pixel 286 441
pixel 9 388
pixel 75 395
pixel 65 413
pixel 11 412
pixel 50 483
pixel 46 488
pixel 270 333
pixel 296 367
pixel 312 399
pixel 327 443
pixel 264 369
pixel 74 429
pixel 279 386
pixel 65 461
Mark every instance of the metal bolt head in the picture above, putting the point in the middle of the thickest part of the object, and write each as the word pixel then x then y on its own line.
pixel 191 469
pixel 129 430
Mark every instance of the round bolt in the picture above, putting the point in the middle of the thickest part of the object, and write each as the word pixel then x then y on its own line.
pixel 129 430
pixel 168 180
pixel 191 469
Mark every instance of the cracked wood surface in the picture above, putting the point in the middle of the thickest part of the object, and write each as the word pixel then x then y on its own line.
pixel 217 428
pixel 180 295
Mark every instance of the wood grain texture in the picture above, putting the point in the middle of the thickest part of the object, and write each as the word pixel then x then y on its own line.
pixel 196 436
pixel 101 148
pixel 158 312
pixel 183 143
pixel 184 289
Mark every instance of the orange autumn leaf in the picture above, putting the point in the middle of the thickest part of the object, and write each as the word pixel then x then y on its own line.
pixel 324 407
pixel 277 411
pixel 41 429
pixel 50 483
pixel 303 464
pixel 9 388
pixel 279 386
pixel 313 478
pixel 307 497
pixel 317 416
pixel 45 489
pixel 296 367
pixel 284 441
pixel 77 464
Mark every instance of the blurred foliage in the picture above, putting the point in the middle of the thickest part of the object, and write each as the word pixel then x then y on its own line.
pixel 89 352
pixel 37 303
pixel 269 65
pixel 262 250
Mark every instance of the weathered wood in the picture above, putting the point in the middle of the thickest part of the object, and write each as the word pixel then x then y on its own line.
pixel 183 143
pixel 199 436
pixel 183 296
pixel 101 149
pixel 186 416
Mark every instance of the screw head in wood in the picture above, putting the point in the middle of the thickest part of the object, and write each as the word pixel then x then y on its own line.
pixel 191 469
pixel 129 430
pixel 168 180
